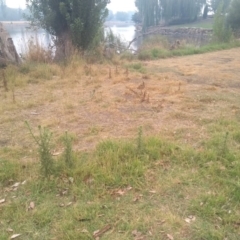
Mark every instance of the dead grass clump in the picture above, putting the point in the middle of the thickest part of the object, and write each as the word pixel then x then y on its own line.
pixel 35 52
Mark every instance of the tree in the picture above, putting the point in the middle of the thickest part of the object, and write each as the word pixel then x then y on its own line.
pixel 110 15
pixel 2 7
pixel 216 3
pixel 221 32
pixel 76 22
pixel 149 11
pixel 11 14
pixel 136 17
pixel 205 11
pixel 121 16
pixel 172 11
pixel 181 11
pixel 2 3
pixel 233 18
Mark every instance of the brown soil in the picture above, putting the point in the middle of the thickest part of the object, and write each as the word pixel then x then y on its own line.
pixel 181 97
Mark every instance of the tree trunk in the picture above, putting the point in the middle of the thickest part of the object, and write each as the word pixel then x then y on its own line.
pixel 8 53
pixel 64 47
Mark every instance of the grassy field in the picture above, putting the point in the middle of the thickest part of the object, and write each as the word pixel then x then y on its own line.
pixel 135 150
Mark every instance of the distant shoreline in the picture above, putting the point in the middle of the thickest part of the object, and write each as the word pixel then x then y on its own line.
pixel 118 24
pixel 13 24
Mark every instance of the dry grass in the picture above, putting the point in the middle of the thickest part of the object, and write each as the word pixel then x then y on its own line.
pixel 181 92
pixel 35 51
pixel 193 101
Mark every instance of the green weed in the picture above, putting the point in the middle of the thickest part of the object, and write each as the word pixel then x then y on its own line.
pixel 44 149
pixel 137 67
pixel 8 170
pixel 68 151
pixel 236 137
pixel 140 140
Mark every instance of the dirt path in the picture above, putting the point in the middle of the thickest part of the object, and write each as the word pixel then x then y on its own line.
pixel 181 97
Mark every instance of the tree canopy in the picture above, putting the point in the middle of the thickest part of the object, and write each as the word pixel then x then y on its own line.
pixel 181 11
pixel 2 5
pixel 233 17
pixel 2 2
pixel 150 12
pixel 216 3
pixel 79 19
pixel 11 14
pixel 177 11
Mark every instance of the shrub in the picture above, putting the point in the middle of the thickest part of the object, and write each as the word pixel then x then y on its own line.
pixel 44 149
pixel 233 17
pixel 68 151
pixel 35 52
pixel 221 31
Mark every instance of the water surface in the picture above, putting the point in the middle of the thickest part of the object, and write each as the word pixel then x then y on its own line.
pixel 22 34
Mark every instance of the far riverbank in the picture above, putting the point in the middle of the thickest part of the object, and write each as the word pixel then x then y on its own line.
pixel 9 25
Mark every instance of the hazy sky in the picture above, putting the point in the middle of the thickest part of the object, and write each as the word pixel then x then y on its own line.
pixel 115 5
pixel 122 5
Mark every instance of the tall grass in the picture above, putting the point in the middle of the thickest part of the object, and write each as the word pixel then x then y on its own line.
pixel 43 142
pixel 34 51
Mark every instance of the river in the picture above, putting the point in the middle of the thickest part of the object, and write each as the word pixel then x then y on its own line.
pixel 22 34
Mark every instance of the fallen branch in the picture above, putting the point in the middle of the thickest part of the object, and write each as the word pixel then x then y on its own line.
pixel 100 232
pixel 135 92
